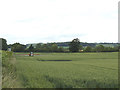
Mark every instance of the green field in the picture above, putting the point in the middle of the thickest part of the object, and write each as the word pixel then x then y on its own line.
pixel 79 70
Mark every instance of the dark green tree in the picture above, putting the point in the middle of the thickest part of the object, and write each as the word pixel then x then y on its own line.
pixel 74 46
pixel 44 48
pixel 38 45
pixel 119 48
pixel 109 49
pixel 54 48
pixel 60 49
pixel 3 44
pixel 17 47
pixel 81 47
pixel 31 48
pixel 99 48
pixel 88 49
pixel 116 48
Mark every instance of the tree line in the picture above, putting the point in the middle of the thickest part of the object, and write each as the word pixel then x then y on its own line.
pixel 74 46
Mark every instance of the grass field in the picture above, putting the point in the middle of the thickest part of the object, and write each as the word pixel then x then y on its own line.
pixel 79 70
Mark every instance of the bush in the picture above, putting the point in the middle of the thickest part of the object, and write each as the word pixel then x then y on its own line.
pixel 8 70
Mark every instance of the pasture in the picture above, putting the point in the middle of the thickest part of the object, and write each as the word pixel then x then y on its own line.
pixel 68 70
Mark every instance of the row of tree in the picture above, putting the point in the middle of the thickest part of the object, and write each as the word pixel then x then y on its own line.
pixel 101 48
pixel 45 48
pixel 17 47
pixel 74 46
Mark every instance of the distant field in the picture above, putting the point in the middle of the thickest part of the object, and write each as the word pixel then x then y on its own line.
pixel 78 70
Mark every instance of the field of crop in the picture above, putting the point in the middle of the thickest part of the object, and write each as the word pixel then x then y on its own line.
pixel 68 70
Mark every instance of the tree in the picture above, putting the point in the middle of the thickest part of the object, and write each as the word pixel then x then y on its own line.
pixel 38 45
pixel 119 48
pixel 17 47
pixel 3 46
pixel 61 49
pixel 81 47
pixel 54 48
pixel 116 48
pixel 88 49
pixel 99 48
pixel 74 46
pixel 44 48
pixel 109 49
pixel 31 48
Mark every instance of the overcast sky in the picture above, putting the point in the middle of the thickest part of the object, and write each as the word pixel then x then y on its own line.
pixel 34 21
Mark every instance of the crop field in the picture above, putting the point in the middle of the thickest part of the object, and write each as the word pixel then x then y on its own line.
pixel 68 70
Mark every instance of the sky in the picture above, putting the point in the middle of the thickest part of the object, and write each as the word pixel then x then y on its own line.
pixel 35 21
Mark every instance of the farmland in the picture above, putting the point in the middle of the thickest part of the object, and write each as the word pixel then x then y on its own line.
pixel 67 70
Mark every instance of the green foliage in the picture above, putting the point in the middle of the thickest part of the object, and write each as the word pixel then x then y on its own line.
pixel 38 45
pixel 74 45
pixel 88 49
pixel 61 49
pixel 31 48
pixel 54 48
pixel 4 44
pixel 9 79
pixel 80 47
pixel 17 47
pixel 48 48
pixel 6 55
pixel 86 70
pixel 99 48
pixel 96 47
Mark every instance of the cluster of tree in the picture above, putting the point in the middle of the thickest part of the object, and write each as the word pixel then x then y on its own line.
pixel 74 46
pixel 17 47
pixel 101 48
pixel 45 48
